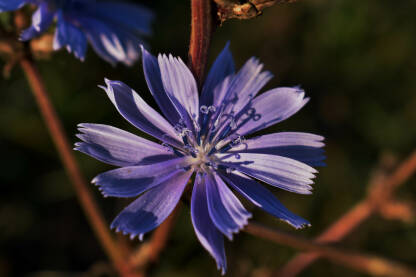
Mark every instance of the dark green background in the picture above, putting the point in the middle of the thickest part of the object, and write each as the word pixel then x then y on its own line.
pixel 355 59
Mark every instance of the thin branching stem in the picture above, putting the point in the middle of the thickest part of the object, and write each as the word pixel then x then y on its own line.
pixel 149 252
pixel 84 194
pixel 380 194
pixel 85 197
pixel 372 265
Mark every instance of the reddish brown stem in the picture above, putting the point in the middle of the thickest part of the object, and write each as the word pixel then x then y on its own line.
pixel 149 252
pixel 84 194
pixel 381 192
pixel 373 265
pixel 160 237
pixel 201 31
pixel 335 232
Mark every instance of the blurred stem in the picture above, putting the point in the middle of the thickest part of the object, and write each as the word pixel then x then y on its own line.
pixel 373 265
pixel 380 194
pixel 150 251
pixel 201 32
pixel 160 237
pixel 85 197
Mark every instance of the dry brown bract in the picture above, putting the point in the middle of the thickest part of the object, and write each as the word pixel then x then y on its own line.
pixel 228 9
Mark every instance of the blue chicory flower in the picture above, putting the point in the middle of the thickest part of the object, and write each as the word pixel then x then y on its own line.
pixel 202 135
pixel 113 28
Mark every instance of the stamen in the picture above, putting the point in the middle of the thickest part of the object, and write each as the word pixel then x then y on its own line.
pixel 196 125
pixel 229 170
pixel 204 109
pixel 185 140
pixel 239 140
pixel 212 164
pixel 193 151
pixel 217 120
pixel 226 131
pixel 225 148
pixel 217 126
pixel 177 153
pixel 212 151
pixel 167 146
pixel 205 120
pixel 172 149
pixel 180 127
pixel 212 108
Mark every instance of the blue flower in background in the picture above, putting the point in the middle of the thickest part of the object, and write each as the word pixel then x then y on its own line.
pixel 113 28
pixel 202 135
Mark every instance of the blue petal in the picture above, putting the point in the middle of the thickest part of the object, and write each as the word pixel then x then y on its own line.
pixel 304 147
pixel 69 36
pixel 136 111
pixel 226 211
pixel 282 172
pixel 246 84
pixel 205 230
pixel 154 82
pixel 152 208
pixel 220 91
pixel 42 18
pixel 117 147
pixel 270 108
pixel 180 85
pixel 112 43
pixel 222 67
pixel 11 5
pixel 134 17
pixel 133 180
pixel 263 198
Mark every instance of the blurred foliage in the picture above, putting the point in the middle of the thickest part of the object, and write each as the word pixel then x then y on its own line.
pixel 355 59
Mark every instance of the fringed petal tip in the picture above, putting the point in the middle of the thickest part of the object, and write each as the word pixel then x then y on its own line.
pixel 95 181
pixel 108 82
pixel 132 236
pixel 230 234
pixel 306 191
pixel 83 127
pixel 222 268
pixel 23 36
pixel 80 56
pixel 108 86
pixel 294 220
pixel 80 146
pixel 301 224
pixel 300 92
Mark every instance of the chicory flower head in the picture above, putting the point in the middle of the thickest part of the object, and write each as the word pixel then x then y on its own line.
pixel 202 135
pixel 113 28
